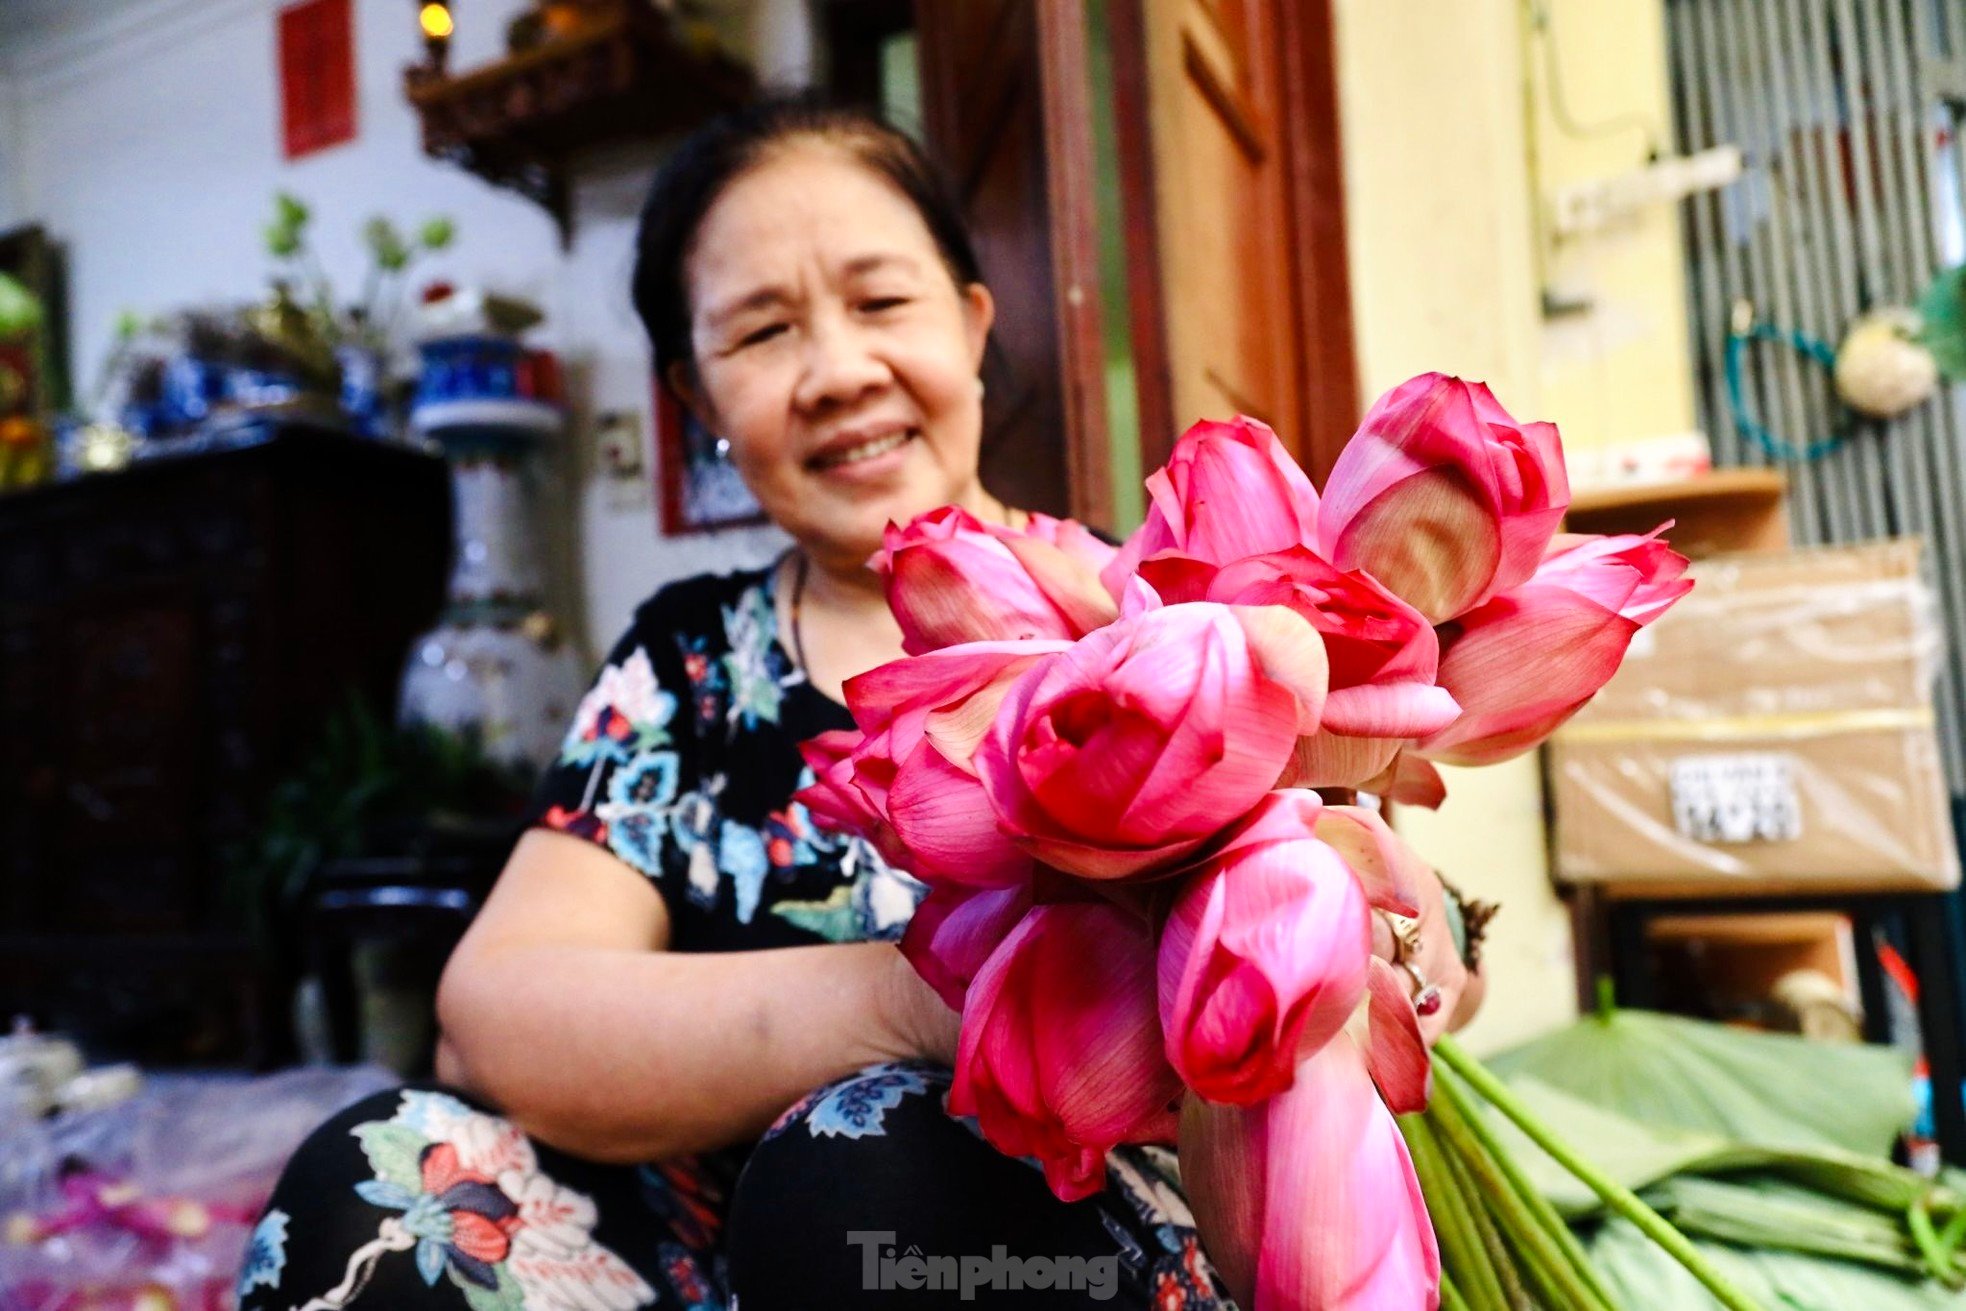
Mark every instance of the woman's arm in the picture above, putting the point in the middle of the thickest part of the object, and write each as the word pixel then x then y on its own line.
pixel 563 1007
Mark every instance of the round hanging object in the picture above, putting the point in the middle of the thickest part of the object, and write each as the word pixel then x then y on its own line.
pixel 1882 369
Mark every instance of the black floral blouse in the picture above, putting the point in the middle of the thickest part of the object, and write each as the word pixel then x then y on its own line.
pixel 682 760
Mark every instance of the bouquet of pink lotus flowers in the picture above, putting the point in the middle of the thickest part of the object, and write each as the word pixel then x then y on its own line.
pixel 1104 765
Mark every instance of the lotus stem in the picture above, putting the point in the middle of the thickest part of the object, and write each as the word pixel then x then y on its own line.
pixel 1500 1258
pixel 1448 1207
pixel 1955 1232
pixel 1620 1199
pixel 1607 998
pixel 1532 1196
pixel 1450 1297
pixel 1551 1255
pixel 1918 1219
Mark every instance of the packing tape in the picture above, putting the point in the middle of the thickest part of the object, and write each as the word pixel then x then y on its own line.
pixel 1741 728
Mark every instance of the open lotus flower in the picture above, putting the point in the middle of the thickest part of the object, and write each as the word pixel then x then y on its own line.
pixel 919 801
pixel 1228 490
pixel 1443 497
pixel 1060 1056
pixel 953 579
pixel 1529 659
pixel 1383 655
pixel 1124 755
pixel 1264 955
pixel 1308 1200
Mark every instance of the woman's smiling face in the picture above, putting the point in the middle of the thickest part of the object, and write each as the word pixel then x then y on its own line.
pixel 834 350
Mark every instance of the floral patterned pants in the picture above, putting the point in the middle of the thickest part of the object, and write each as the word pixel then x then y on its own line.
pixel 866 1193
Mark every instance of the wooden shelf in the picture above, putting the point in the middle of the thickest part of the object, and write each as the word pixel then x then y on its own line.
pixel 1726 510
pixel 1744 954
pixel 1757 929
pixel 625 75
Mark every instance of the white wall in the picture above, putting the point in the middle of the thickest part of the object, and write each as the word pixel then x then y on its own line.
pixel 10 201
pixel 145 135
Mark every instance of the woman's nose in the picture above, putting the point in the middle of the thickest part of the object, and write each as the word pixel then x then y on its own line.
pixel 840 366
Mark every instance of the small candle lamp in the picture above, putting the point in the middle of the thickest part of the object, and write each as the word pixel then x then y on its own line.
pixel 434 17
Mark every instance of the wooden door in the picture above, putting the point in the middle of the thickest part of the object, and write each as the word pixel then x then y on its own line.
pixel 1228 164
pixel 1243 192
pixel 1004 107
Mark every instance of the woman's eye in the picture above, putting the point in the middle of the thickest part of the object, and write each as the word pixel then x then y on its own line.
pixel 762 334
pixel 880 303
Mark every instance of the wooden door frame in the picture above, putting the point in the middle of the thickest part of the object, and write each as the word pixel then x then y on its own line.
pixel 1071 179
pixel 1153 380
pixel 1071 224
pixel 1326 373
pixel 1322 299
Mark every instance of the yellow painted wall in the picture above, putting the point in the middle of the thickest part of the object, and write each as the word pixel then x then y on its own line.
pixel 1443 124
pixel 1618 369
pixel 1437 193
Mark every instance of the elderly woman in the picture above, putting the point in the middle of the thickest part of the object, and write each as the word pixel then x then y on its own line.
pixel 675 955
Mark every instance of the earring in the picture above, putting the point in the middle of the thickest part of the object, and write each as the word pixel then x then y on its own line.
pixel 980 389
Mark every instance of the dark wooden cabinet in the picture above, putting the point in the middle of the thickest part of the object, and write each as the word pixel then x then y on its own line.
pixel 170 637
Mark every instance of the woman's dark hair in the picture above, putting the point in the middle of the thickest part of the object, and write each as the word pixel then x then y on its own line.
pixel 690 181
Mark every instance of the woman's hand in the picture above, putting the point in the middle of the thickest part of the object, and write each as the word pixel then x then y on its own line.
pixel 639 1053
pixel 922 1022
pixel 1437 960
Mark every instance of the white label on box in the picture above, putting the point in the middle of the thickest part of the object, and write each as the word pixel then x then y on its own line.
pixel 1742 797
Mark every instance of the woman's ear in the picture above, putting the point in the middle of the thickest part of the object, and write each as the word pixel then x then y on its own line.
pixel 979 312
pixel 681 377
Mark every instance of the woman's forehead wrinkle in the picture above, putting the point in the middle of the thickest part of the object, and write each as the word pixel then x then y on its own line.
pixel 875 261
pixel 773 296
pixel 778 295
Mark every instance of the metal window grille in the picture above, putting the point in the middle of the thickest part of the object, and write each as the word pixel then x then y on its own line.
pixel 1848 115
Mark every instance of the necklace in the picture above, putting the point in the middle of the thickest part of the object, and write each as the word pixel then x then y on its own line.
pixel 798 599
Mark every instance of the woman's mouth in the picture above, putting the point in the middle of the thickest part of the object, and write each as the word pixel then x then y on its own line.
pixel 860 452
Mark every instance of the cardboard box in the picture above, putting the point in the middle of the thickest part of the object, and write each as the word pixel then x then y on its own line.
pixel 1773 733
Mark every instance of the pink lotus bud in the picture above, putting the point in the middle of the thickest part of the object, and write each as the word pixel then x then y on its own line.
pixel 1410 780
pixel 1443 497
pixel 1060 1056
pixel 1529 659
pixel 953 579
pixel 1228 490
pixel 1263 956
pixel 1637 575
pixel 837 802
pixel 1383 656
pixel 904 779
pixel 1069 536
pixel 1309 1199
pixel 1124 755
pixel 954 931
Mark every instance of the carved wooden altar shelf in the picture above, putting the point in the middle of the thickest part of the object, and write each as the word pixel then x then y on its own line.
pixel 172 638
pixel 624 76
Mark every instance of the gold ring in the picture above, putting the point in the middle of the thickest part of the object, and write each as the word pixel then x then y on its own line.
pixel 1406 947
pixel 1406 936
